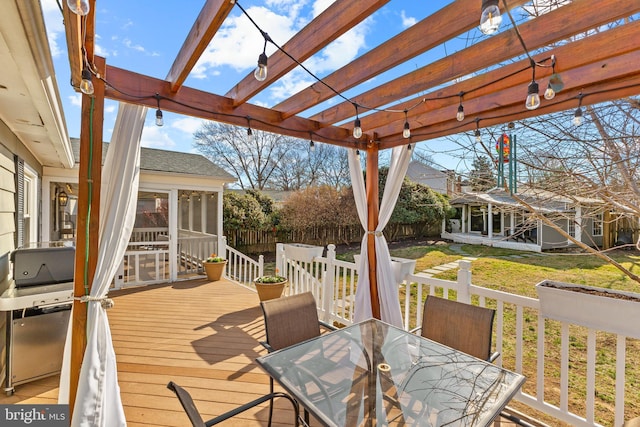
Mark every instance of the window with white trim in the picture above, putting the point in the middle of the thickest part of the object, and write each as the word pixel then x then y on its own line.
pixel 597 225
pixel 571 226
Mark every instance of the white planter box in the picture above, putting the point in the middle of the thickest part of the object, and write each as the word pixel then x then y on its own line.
pixel 302 252
pixel 596 308
pixel 401 267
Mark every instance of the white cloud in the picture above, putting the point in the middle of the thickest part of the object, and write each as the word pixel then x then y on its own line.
pixel 187 125
pixel 320 6
pixel 129 44
pixel 76 100
pixel 407 21
pixel 55 26
pixel 154 137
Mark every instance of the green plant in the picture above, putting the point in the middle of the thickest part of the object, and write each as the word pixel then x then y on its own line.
pixel 270 279
pixel 215 258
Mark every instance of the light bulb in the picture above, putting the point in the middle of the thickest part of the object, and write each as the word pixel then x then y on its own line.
pixel 460 114
pixel 357 130
pixel 549 93
pixel 577 117
pixel 533 98
pixel 79 7
pixel 478 139
pixel 491 18
pixel 261 70
pixel 312 146
pixel 159 120
pixel 406 132
pixel 86 86
pixel 249 135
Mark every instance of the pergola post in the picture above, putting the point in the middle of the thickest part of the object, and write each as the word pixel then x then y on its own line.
pixel 373 209
pixel 89 179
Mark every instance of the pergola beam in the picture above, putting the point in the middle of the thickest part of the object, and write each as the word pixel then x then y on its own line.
pixel 209 21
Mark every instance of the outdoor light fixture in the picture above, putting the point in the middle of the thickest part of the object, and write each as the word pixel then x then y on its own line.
pixel 86 86
pixel 555 81
pixel 577 116
pixel 533 96
pixel 406 132
pixel 357 130
pixel 63 198
pixel 409 147
pixel 159 119
pixel 79 7
pixel 477 132
pixel 460 114
pixel 249 131
pixel 491 18
pixel 312 145
pixel 261 70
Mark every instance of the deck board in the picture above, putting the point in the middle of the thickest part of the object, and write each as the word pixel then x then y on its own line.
pixel 202 335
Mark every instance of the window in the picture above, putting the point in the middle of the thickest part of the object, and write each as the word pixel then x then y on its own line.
pixel 571 226
pixel 596 225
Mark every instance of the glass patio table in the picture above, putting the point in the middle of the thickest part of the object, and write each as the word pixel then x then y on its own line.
pixel 374 374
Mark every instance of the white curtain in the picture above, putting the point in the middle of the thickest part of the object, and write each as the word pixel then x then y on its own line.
pixel 387 288
pixel 98 402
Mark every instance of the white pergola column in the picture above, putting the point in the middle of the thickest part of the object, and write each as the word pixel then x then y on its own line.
pixel 490 220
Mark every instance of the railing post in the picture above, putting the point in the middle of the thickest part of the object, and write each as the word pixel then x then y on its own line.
pixel 260 266
pixel 464 281
pixel 279 259
pixel 328 284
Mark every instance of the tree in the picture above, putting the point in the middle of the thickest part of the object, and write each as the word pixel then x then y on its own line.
pixel 481 176
pixel 243 211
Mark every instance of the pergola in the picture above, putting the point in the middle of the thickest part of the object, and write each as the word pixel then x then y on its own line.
pixel 596 49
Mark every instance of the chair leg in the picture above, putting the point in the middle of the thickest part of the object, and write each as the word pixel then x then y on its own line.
pixel 271 401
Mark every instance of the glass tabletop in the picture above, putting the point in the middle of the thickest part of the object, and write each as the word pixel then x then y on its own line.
pixel 374 374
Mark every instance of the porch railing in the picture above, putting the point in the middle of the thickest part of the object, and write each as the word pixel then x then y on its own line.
pixel 527 342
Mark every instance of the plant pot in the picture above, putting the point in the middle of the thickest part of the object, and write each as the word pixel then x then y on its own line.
pixel 267 291
pixel 302 252
pixel 596 308
pixel 214 270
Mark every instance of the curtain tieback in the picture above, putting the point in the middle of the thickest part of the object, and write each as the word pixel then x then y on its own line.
pixel 104 301
pixel 375 233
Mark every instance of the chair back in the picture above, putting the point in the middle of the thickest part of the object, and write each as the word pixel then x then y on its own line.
pixel 290 320
pixel 461 326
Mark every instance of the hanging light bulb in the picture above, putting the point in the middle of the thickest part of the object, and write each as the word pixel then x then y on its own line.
pixel 312 145
pixel 79 7
pixel 261 70
pixel 549 93
pixel 577 117
pixel 249 134
pixel 491 17
pixel 477 134
pixel 358 153
pixel 86 86
pixel 357 130
pixel 406 132
pixel 409 147
pixel 460 113
pixel 159 119
pixel 533 98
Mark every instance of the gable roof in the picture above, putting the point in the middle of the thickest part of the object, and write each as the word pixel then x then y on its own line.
pixel 155 160
pixel 418 170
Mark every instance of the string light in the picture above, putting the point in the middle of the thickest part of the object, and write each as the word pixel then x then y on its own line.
pixel 261 70
pixel 406 132
pixel 357 130
pixel 490 19
pixel 577 116
pixel 312 145
pixel 249 131
pixel 533 96
pixel 79 7
pixel 86 85
pixel 460 114
pixel 477 132
pixel 159 119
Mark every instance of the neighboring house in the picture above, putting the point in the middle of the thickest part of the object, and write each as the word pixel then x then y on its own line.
pixel 33 132
pixel 179 213
pixel 496 218
pixel 441 181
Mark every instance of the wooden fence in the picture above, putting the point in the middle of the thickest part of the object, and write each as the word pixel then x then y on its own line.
pixel 261 241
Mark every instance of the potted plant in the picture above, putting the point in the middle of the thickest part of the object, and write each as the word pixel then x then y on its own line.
pixel 270 287
pixel 214 267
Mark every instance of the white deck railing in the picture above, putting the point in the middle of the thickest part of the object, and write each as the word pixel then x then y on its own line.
pixel 531 345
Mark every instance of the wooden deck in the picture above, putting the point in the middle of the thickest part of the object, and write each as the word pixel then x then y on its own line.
pixel 202 335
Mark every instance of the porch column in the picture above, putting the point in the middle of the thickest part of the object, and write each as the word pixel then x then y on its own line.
pixel 88 221
pixel 372 223
pixel 463 219
pixel 578 225
pixel 490 220
pixel 174 213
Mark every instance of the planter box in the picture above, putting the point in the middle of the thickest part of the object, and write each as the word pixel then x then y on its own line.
pixel 400 266
pixel 596 308
pixel 302 252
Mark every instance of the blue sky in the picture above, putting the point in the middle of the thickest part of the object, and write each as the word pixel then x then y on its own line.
pixel 145 36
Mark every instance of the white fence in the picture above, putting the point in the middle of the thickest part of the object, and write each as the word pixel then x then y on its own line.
pixel 528 343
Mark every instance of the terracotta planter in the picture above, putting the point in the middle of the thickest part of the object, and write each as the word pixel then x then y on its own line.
pixel 597 308
pixel 267 291
pixel 214 270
